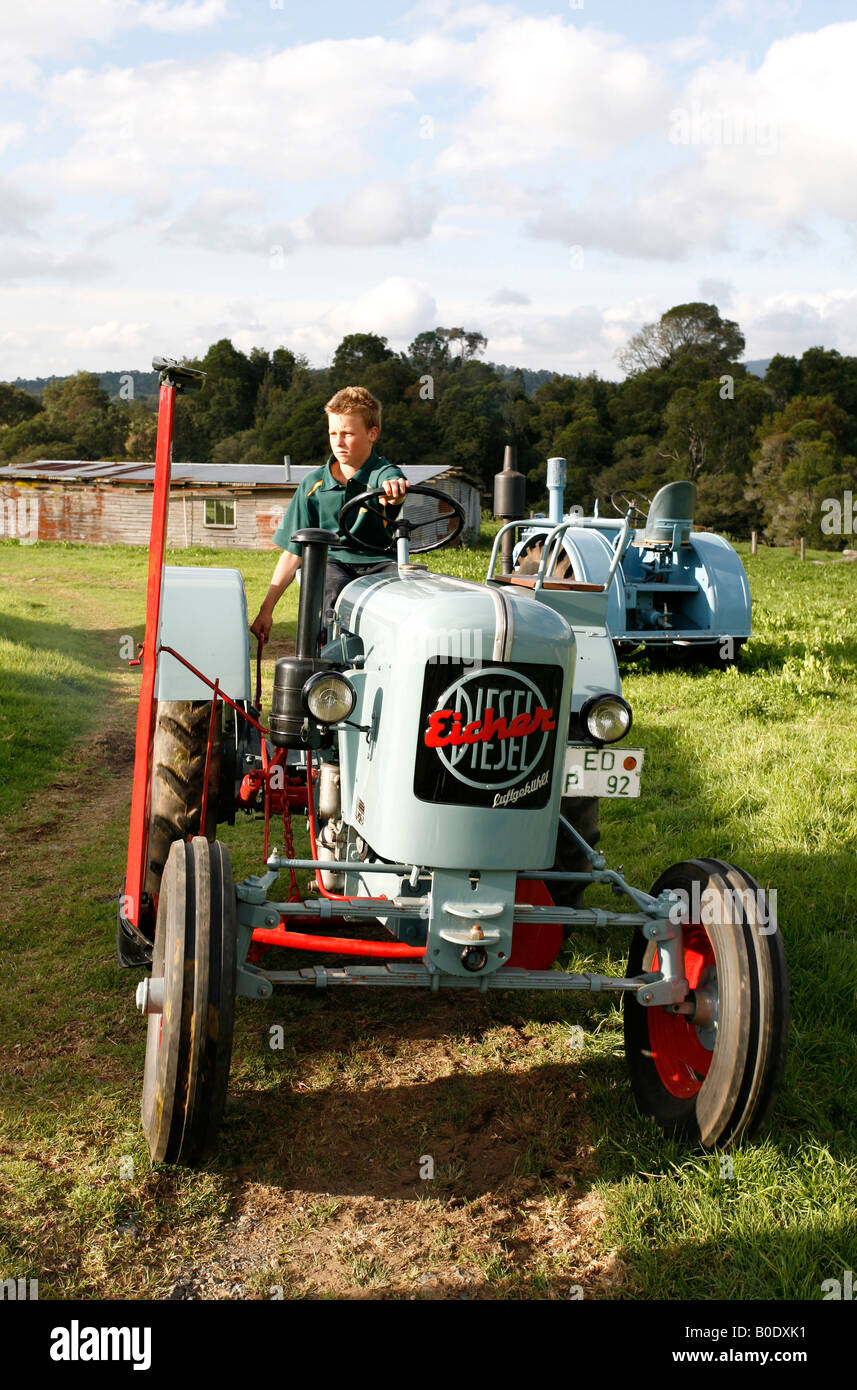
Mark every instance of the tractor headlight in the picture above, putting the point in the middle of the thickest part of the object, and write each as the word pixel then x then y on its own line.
pixel 329 697
pixel 606 717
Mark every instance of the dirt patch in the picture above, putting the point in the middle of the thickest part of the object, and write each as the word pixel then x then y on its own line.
pixel 83 798
pixel 292 1243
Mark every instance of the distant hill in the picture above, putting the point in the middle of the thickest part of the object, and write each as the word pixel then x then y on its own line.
pixel 758 366
pixel 145 384
pixel 531 379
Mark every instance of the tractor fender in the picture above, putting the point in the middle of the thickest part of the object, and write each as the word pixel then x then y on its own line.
pixel 723 603
pixel 203 616
pixel 590 553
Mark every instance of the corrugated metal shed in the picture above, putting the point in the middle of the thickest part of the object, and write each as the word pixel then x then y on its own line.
pixel 218 474
pixel 109 503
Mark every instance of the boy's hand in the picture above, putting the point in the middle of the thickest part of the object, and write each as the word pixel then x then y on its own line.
pixel 261 624
pixel 395 489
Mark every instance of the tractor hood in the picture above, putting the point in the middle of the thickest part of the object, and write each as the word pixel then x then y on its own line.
pixel 419 616
pixel 456 746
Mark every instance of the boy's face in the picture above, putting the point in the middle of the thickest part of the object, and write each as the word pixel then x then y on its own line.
pixel 350 441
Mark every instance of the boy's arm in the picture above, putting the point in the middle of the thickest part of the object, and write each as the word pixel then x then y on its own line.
pixel 297 515
pixel 284 572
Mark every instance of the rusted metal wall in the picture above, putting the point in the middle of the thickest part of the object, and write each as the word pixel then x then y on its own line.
pixel 121 514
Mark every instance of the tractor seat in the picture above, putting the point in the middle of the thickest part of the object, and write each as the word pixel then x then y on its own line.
pixel 528 581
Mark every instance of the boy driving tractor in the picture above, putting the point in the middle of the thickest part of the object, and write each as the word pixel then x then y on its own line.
pixel 355 466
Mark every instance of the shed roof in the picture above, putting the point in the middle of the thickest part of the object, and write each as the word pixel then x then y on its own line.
pixel 223 474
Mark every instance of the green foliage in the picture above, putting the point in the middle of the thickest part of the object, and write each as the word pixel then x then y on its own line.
pixel 763 454
pixel 688 330
pixel 15 405
pixel 800 462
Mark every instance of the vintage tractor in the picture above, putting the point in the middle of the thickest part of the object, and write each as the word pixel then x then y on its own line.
pixel 675 591
pixel 439 740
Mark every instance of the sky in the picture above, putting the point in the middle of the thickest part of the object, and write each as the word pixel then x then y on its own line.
pixel 551 175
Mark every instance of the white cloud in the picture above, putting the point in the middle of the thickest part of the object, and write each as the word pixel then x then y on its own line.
pixel 111 336
pixel 19 210
pixel 206 223
pixel 663 222
pixel 10 131
pixel 506 296
pixel 714 291
pixel 549 87
pixel 683 49
pixel 44 27
pixel 777 144
pixel 26 263
pixel 730 11
pixel 397 308
pixel 374 214
pixel 791 322
pixel 179 19
pixel 277 116
pixel 61 28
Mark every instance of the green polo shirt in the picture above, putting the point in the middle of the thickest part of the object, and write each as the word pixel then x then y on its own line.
pixel 320 498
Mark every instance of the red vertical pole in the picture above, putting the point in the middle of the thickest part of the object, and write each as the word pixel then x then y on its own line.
pixel 138 838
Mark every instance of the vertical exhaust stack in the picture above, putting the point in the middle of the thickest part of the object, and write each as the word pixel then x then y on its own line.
pixel 509 498
pixel 557 469
pixel 289 725
pixel 314 543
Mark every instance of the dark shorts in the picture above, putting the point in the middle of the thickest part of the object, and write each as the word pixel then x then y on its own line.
pixel 338 575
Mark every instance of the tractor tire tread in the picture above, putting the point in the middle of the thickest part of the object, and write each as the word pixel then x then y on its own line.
pixel 178 773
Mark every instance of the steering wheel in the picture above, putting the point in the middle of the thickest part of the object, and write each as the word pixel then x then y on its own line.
pixel 630 502
pixel 402 525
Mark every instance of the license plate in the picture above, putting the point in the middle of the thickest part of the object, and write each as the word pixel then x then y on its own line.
pixel 602 771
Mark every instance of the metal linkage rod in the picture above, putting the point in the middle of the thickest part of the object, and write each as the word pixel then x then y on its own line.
pixel 321 976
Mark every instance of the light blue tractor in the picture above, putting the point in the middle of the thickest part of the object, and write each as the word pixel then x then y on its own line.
pixel 443 740
pixel 673 590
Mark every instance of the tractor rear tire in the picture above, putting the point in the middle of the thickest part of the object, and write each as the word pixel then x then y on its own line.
pixel 531 557
pixel 178 772
pixel 582 813
pixel 715 1083
pixel 189 1044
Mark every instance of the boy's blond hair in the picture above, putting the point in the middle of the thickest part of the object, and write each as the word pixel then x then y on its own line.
pixel 356 400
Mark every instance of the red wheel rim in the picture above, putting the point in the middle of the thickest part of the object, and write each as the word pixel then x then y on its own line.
pixel 680 1059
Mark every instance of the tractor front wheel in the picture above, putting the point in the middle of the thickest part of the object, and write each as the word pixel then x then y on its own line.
pixel 178 773
pixel 713 1076
pixel 189 1042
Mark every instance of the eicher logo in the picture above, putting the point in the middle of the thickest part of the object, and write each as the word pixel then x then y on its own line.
pixel 488 734
pixel 76 1343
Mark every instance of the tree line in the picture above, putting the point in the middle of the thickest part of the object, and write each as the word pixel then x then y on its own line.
pixel 765 454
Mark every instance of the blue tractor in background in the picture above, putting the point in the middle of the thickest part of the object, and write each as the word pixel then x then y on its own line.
pixel 675 590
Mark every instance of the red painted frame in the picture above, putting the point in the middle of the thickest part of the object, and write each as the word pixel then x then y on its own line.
pixel 138 835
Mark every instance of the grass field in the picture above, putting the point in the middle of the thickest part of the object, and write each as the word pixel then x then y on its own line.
pixel 547 1180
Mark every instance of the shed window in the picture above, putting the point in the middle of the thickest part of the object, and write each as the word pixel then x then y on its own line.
pixel 219 511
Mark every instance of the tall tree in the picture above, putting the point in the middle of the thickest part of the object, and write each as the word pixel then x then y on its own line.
pixel 355 353
pixel 692 330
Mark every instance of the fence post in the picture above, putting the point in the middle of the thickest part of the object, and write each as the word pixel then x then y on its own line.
pixel 803 547
pixel 754 541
